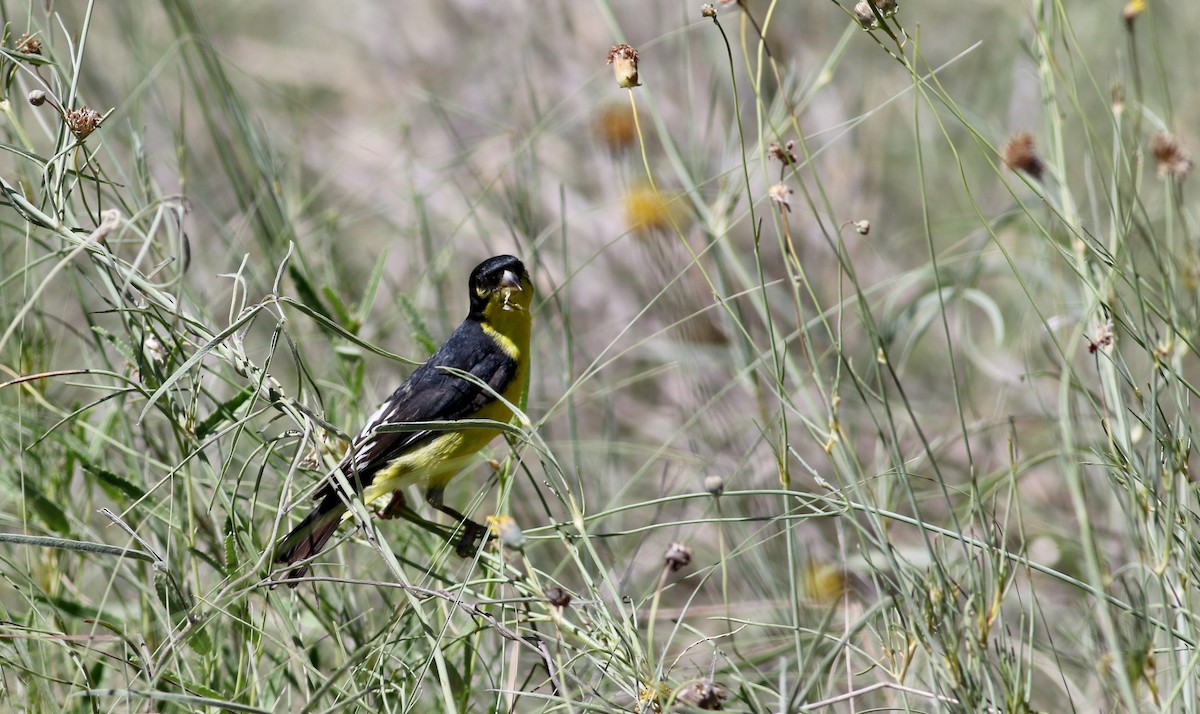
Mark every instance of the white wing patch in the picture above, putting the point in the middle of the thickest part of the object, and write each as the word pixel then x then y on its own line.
pixel 374 419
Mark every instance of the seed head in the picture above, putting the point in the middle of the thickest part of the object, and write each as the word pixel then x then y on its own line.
pixel 1172 155
pixel 863 227
pixel 82 122
pixel 649 211
pixel 624 60
pixel 29 45
pixel 703 694
pixel 37 97
pixel 707 10
pixel 558 597
pixel 507 531
pixel 677 556
pixel 615 127
pixel 866 17
pixel 823 582
pixel 1020 154
pixel 715 485
pixel 780 193
pixel 1102 337
pixel 782 154
pixel 862 12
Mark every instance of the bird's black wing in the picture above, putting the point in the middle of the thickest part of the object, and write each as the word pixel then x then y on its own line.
pixel 431 393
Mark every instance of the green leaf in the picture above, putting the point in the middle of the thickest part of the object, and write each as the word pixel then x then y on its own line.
pixel 118 344
pixel 372 288
pixel 46 510
pixel 225 412
pixel 113 484
pixel 419 331
pixel 339 308
pixel 306 293
pixel 177 603
pixel 70 608
pixel 231 559
pixel 199 640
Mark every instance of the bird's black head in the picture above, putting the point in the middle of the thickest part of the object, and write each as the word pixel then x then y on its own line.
pixel 500 283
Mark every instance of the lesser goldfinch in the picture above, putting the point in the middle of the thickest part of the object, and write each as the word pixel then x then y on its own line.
pixel 492 345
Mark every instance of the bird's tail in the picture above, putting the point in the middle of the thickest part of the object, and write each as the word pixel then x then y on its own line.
pixel 308 538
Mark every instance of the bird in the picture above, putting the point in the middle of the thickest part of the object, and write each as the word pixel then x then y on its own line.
pixel 492 346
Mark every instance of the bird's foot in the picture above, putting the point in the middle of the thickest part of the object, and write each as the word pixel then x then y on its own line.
pixel 473 535
pixel 396 508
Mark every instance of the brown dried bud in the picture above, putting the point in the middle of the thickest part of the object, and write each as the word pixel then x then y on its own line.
pixel 558 597
pixel 1020 154
pixel 782 154
pixel 624 60
pixel 1118 98
pixel 1172 155
pixel 715 485
pixel 29 45
pixel 703 694
pixel 615 126
pixel 82 122
pixel 37 97
pixel 866 17
pixel 678 555
pixel 863 227
pixel 707 10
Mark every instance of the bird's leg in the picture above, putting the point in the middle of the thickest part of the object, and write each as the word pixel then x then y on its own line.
pixel 472 534
pixel 398 508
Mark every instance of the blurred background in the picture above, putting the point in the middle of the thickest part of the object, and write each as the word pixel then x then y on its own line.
pixel 912 388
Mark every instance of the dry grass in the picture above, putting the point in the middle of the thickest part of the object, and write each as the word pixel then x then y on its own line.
pixel 940 464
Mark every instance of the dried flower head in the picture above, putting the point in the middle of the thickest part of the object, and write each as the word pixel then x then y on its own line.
pixel 703 694
pixel 715 485
pixel 823 582
pixel 780 194
pixel 782 154
pixel 707 10
pixel 615 126
pixel 1172 155
pixel 82 122
pixel 1130 12
pixel 29 45
pixel 507 531
pixel 624 60
pixel 37 97
pixel 649 211
pixel 154 350
pixel 677 556
pixel 651 698
pixel 1102 337
pixel 1020 154
pixel 558 597
pixel 863 227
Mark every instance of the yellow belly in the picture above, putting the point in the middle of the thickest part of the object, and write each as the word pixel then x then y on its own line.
pixel 434 463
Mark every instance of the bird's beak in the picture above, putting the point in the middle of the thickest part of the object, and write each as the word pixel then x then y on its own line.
pixel 510 280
